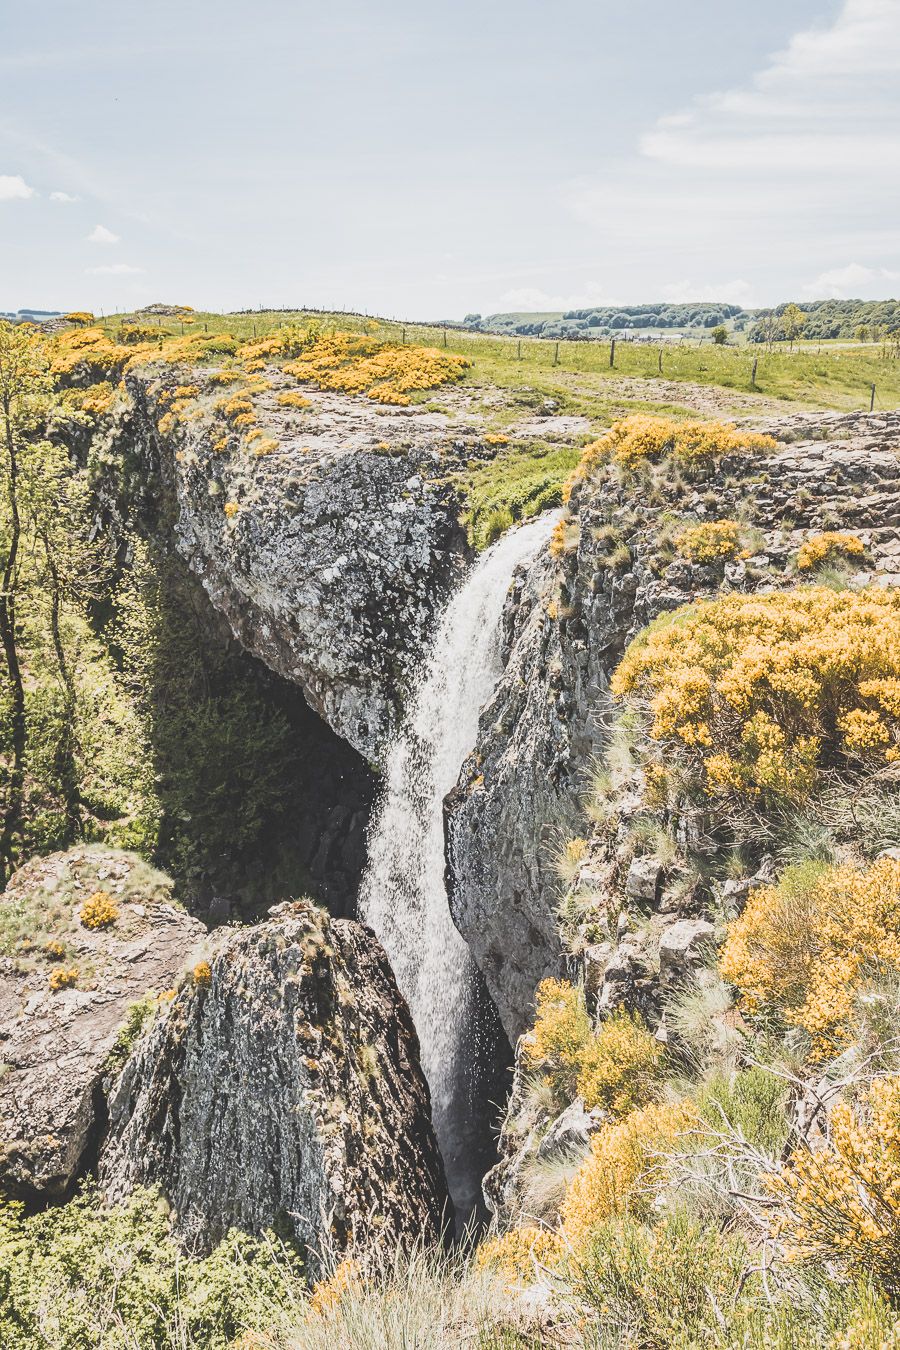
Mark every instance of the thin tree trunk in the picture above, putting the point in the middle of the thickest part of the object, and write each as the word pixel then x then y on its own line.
pixel 13 813
pixel 66 767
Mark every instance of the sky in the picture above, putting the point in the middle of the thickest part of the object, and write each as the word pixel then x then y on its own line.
pixel 429 160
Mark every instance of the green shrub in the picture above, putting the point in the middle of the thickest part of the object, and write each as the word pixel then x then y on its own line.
pixel 83 1276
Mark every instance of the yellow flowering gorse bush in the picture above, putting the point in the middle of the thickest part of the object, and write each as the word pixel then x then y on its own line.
pixel 640 438
pixel 765 689
pixel 99 911
pixel 824 548
pixel 386 372
pixel 709 542
pixel 802 949
pixel 842 1203
pixel 518 1254
pixel 62 978
pixel 292 398
pixel 625 1168
pixel 617 1066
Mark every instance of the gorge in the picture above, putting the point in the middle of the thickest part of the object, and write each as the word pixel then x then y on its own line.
pixel 383 907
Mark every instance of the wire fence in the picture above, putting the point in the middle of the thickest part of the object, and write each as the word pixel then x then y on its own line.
pixel 868 378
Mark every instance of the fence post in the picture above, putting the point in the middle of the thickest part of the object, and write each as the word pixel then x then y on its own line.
pixel 254 330
pixel 659 362
pixel 404 335
pixel 519 350
pixel 872 400
pixel 612 353
pixel 753 372
pixel 556 355
pixel 445 337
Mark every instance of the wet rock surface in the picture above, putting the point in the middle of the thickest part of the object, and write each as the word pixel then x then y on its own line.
pixel 283 1089
pixel 55 1045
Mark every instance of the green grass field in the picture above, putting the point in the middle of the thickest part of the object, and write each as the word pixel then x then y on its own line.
pixel 827 376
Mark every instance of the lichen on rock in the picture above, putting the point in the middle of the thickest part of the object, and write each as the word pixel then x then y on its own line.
pixel 283 1089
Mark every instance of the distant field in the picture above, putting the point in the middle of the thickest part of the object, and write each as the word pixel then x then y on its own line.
pixel 827 375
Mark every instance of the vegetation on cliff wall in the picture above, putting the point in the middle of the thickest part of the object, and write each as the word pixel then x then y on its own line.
pixel 131 716
pixel 728 903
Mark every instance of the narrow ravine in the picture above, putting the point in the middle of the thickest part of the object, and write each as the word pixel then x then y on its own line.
pixel 404 895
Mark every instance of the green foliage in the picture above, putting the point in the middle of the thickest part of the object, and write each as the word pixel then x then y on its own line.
pixel 683 1285
pixel 138 1015
pixel 82 1276
pixel 519 482
pixel 752 1102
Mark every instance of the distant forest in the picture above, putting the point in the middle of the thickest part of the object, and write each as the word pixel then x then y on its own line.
pixel 868 320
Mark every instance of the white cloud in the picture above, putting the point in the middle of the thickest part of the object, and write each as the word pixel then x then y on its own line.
pixel 101 235
pixel 735 292
pixel 62 197
pixel 533 299
pixel 14 188
pixel 113 270
pixel 827 103
pixel 842 283
pixel 770 182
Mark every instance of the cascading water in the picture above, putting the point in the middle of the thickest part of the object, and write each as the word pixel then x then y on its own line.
pixel 404 895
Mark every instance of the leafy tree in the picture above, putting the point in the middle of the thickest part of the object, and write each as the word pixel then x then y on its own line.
pixel 49 570
pixel 719 335
pixel 793 321
pixel 24 401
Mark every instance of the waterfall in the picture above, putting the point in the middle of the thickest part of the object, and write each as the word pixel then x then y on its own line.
pixel 404 895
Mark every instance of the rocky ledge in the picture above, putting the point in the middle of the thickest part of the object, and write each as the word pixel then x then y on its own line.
pixel 65 992
pixel 282 1088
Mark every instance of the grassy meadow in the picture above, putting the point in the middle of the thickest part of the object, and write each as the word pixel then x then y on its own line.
pixel 827 375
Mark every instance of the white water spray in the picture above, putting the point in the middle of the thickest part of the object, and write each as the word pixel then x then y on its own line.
pixel 404 896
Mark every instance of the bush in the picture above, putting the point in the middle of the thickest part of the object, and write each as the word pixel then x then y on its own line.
pixel 624 1169
pixel 683 1285
pixel 82 1276
pixel 801 950
pixel 620 1066
pixel 660 1287
pixel 518 1254
pixel 761 691
pixel 639 439
pixel 617 1066
pixel 826 548
pixel 753 1103
pixel 712 541
pixel 387 372
pixel 841 1204
pixel 99 911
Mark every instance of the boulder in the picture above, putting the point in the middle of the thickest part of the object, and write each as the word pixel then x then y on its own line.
pixel 683 945
pixel 56 1043
pixel 283 1089
pixel 642 880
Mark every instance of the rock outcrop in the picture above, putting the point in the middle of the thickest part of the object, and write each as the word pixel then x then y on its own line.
pixel 56 1042
pixel 341 545
pixel 566 626
pixel 282 1088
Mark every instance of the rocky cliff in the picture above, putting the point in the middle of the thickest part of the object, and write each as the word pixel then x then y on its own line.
pixel 336 547
pixel 566 627
pixel 74 965
pixel 282 1088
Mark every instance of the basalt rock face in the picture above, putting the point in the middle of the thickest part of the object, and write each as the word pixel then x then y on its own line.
pixel 55 1044
pixel 567 624
pixel 341 545
pixel 284 1089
